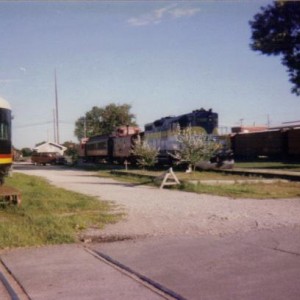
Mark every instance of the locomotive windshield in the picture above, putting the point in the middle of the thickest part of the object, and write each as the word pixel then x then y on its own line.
pixel 5 125
pixel 4 131
pixel 5 139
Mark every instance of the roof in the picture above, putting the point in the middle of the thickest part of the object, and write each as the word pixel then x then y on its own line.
pixel 51 144
pixel 247 129
pixel 287 125
pixel 4 104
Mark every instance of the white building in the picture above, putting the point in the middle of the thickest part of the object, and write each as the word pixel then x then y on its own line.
pixel 50 147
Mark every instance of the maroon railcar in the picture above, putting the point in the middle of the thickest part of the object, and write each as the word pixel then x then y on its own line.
pixel 255 144
pixel 115 147
pixel 293 142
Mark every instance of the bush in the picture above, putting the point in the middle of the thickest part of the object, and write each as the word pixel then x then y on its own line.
pixel 145 154
pixel 194 147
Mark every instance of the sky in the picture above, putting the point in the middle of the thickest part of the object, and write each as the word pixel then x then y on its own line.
pixel 161 57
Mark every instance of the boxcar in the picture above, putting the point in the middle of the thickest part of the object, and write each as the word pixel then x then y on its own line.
pixel 293 141
pixel 255 144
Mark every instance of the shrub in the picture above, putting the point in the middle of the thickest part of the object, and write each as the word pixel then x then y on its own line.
pixel 145 154
pixel 194 147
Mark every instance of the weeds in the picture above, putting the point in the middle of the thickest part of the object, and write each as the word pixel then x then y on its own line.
pixel 248 190
pixel 49 215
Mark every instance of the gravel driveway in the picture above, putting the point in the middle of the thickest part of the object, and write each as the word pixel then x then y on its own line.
pixel 154 212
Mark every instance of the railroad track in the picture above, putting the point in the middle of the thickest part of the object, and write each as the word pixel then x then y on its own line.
pixel 149 283
pixel 10 289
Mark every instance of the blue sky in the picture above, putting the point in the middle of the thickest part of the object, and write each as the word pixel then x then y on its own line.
pixel 162 57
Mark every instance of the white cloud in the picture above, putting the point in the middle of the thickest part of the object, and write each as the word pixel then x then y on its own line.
pixel 142 21
pixel 159 15
pixel 184 12
pixel 161 12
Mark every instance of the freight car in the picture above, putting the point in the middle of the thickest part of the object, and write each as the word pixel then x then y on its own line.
pixel 293 144
pixel 280 144
pixel 161 134
pixel 5 139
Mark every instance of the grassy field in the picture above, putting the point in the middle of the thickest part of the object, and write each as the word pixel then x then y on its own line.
pixel 269 165
pixel 49 215
pixel 276 190
pixel 254 190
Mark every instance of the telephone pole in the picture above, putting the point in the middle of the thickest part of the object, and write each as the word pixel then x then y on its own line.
pixel 268 121
pixel 54 126
pixel 56 110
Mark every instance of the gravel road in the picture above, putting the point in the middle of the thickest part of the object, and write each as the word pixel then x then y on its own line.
pixel 154 212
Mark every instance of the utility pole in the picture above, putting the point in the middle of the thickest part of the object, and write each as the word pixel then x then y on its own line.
pixel 54 126
pixel 56 109
pixel 84 127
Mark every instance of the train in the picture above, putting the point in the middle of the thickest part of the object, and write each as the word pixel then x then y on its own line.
pixel 5 139
pixel 278 143
pixel 160 134
pixel 282 143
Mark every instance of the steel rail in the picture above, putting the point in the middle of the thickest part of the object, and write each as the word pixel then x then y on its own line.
pixel 12 293
pixel 141 277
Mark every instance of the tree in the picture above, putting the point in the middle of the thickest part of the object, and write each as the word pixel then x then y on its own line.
pixel 194 147
pixel 104 120
pixel 72 150
pixel 276 31
pixel 26 152
pixel 146 155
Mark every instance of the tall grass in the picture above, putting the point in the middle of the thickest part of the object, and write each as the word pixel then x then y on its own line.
pixel 275 190
pixel 49 215
pixel 269 165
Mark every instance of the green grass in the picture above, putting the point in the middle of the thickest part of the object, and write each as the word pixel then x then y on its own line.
pixel 275 190
pixel 272 165
pixel 49 215
pixel 278 190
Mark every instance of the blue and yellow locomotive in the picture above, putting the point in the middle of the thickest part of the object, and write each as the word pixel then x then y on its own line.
pixel 161 134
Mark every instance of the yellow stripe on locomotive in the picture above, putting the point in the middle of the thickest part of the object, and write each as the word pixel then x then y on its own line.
pixel 7 160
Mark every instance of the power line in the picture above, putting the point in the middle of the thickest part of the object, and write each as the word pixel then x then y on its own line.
pixel 33 124
pixel 43 123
